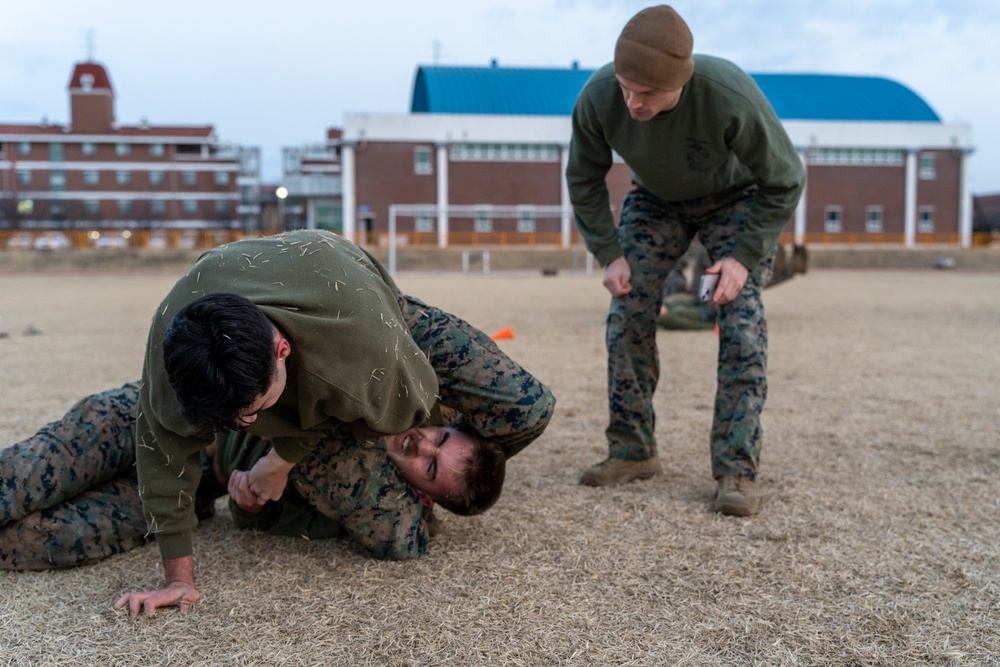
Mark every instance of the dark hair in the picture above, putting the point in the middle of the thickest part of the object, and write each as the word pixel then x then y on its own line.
pixel 218 352
pixel 484 477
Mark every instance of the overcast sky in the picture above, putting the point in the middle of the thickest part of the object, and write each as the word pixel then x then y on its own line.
pixel 274 74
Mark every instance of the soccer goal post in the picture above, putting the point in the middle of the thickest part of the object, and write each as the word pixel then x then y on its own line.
pixel 433 213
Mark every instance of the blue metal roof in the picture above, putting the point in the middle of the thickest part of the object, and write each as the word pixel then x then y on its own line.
pixel 552 92
pixel 497 90
pixel 848 98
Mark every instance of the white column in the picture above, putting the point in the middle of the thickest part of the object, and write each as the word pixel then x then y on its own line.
pixel 910 201
pixel 348 196
pixel 800 210
pixel 442 194
pixel 964 202
pixel 567 206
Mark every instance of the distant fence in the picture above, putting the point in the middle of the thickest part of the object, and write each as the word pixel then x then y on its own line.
pixel 203 239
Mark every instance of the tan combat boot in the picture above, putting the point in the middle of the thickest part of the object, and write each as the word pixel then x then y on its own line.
pixel 612 471
pixel 736 496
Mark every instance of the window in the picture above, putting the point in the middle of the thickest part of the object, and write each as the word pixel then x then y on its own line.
pixel 832 223
pixel 122 150
pixel 56 152
pixel 484 222
pixel 863 156
pixel 221 207
pixel 23 177
pixel 156 150
pixel 88 148
pixel 927 171
pixel 925 219
pixel 422 161
pixel 57 180
pixel 91 177
pixel 156 178
pixel 157 207
pixel 124 207
pixel 873 219
pixel 190 206
pixel 221 178
pixel 525 220
pixel 505 152
pixel 424 223
pixel 91 207
pixel 189 178
pixel 58 211
pixel 123 177
pixel 23 148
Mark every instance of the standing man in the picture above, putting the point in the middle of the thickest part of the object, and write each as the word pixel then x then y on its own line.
pixel 708 158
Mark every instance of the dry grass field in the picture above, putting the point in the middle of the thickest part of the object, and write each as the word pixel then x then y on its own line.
pixel 878 542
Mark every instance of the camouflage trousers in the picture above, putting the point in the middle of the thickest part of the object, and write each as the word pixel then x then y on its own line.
pixel 653 235
pixel 69 494
pixel 491 392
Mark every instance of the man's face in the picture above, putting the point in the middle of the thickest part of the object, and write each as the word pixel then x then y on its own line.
pixel 432 459
pixel 645 102
pixel 282 349
pixel 266 400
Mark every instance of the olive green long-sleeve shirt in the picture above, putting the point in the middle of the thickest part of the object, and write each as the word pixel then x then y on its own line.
pixel 722 133
pixel 354 364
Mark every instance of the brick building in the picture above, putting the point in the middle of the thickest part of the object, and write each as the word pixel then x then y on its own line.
pixel 481 156
pixel 95 181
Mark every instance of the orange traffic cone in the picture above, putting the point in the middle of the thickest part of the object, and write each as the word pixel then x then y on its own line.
pixel 504 334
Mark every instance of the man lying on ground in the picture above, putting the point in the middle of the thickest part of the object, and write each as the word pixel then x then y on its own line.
pixel 69 494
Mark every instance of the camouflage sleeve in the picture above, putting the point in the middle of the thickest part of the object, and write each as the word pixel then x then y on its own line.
pixel 356 485
pixel 493 393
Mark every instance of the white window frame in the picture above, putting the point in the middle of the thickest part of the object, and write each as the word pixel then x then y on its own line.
pixel 123 149
pixel 927 170
pixel 157 207
pixel 123 177
pixel 156 150
pixel 424 222
pixel 526 221
pixel 483 222
pixel 189 178
pixel 190 206
pixel 156 177
pixel 925 219
pixel 91 207
pixel 221 207
pixel 833 220
pixel 423 161
pixel 24 148
pixel 91 177
pixel 124 207
pixel 57 180
pixel 88 148
pixel 221 177
pixel 23 177
pixel 874 219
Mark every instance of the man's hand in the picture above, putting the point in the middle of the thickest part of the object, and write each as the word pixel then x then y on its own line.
pixel 239 491
pixel 268 477
pixel 732 277
pixel 179 591
pixel 617 277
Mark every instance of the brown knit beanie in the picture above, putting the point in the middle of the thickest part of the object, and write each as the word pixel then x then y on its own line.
pixel 655 49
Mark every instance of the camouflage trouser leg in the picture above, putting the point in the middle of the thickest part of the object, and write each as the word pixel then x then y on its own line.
pixel 654 235
pixel 68 494
pixel 499 399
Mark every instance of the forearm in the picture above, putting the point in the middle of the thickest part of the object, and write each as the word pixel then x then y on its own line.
pixel 179 570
